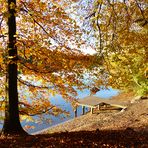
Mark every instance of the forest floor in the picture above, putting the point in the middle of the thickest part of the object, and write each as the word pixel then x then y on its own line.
pixel 109 129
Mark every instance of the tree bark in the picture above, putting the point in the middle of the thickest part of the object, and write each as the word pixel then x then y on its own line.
pixel 12 124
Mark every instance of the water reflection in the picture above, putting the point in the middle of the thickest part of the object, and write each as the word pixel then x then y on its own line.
pixel 58 100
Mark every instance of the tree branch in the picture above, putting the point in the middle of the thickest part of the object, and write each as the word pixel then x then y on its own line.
pixel 99 28
pixel 37 113
pixel 140 9
pixel 32 85
pixel 89 16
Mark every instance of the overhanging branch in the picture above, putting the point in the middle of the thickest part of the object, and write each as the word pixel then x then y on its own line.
pixel 36 113
pixel 32 85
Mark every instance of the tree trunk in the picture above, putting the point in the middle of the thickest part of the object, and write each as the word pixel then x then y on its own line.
pixel 12 124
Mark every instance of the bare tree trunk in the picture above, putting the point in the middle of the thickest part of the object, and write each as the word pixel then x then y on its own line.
pixel 12 124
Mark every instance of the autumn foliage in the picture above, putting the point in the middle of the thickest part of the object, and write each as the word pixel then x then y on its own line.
pixel 46 51
pixel 44 46
pixel 121 32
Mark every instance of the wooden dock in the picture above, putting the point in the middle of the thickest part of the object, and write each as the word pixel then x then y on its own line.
pixel 94 102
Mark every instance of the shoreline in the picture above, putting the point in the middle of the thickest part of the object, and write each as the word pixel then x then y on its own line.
pixel 102 115
pixel 58 124
pixel 134 117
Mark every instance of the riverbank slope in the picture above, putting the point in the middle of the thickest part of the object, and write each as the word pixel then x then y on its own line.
pixel 135 116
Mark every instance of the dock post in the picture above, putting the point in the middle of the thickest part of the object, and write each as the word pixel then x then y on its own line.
pixel 83 110
pixel 99 108
pixel 91 110
pixel 75 111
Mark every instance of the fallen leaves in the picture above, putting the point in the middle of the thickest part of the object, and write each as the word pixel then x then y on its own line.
pixel 109 138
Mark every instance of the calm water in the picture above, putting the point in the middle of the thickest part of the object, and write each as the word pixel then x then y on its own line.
pixel 58 100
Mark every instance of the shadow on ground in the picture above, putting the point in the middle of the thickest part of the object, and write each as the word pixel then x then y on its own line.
pixel 102 139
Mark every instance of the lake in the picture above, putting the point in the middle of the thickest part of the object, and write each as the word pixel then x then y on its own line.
pixel 58 100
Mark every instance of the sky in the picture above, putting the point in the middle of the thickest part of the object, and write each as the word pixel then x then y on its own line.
pixel 78 11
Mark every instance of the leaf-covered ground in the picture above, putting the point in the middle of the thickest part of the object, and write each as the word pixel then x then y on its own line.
pixel 107 139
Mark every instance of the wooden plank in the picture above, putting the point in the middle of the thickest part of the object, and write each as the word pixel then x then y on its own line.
pixel 91 100
pixel 86 105
pixel 117 105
